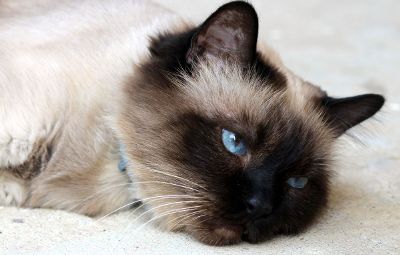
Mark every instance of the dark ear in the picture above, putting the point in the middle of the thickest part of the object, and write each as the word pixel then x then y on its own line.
pixel 230 34
pixel 344 113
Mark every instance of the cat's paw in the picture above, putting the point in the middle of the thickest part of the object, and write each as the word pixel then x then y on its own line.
pixel 13 151
pixel 12 191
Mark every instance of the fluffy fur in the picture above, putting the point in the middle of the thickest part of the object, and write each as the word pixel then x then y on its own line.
pixel 60 82
pixel 129 72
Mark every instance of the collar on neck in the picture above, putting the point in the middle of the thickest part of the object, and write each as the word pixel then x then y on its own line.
pixel 123 160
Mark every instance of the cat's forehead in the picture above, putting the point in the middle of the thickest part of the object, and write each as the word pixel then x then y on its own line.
pixel 217 89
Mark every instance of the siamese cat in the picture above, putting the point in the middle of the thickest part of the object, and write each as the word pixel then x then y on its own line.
pixel 103 103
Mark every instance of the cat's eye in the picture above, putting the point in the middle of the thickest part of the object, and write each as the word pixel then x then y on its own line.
pixel 233 143
pixel 297 182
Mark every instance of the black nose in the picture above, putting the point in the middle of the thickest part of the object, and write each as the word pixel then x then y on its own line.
pixel 257 207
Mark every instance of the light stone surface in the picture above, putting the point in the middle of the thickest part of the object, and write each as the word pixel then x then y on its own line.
pixel 347 47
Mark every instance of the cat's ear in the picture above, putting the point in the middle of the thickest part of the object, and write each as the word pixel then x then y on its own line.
pixel 229 34
pixel 344 113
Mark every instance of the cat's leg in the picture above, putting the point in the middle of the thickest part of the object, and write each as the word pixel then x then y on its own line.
pixel 13 190
pixel 84 179
pixel 14 151
pixel 22 129
pixel 23 153
pixel 94 192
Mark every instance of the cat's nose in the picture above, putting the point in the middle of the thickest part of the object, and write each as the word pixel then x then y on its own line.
pixel 257 207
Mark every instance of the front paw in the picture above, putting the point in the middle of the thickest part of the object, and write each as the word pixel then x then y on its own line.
pixel 14 152
pixel 12 190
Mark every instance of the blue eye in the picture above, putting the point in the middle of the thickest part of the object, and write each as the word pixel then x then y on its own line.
pixel 233 143
pixel 297 182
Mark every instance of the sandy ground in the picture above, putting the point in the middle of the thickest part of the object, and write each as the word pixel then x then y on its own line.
pixel 347 47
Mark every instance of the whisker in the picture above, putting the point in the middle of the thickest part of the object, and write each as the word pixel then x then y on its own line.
pixel 119 208
pixel 153 219
pixel 178 177
pixel 99 192
pixel 144 204
pixel 169 183
pixel 154 198
pixel 184 217
pixel 203 220
pixel 165 214
pixel 167 204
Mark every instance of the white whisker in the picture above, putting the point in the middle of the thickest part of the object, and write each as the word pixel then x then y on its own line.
pixel 184 217
pixel 178 177
pixel 169 183
pixel 164 205
pixel 154 198
pixel 165 214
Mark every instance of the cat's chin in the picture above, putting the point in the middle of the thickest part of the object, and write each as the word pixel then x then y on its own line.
pixel 219 235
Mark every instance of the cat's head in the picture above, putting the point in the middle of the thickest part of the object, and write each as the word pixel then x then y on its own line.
pixel 224 142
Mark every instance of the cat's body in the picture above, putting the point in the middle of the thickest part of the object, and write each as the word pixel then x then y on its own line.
pixel 63 65
pixel 81 79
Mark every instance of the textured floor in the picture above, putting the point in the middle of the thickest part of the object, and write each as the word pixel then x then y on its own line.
pixel 347 47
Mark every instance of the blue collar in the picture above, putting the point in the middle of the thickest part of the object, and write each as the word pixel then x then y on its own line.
pixel 123 161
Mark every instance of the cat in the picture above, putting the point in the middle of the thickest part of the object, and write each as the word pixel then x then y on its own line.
pixel 104 103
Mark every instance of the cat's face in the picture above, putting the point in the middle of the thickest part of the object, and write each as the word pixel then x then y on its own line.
pixel 221 146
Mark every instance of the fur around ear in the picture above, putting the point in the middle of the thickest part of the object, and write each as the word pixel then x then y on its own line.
pixel 344 113
pixel 230 33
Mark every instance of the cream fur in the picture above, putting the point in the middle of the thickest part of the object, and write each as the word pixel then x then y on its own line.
pixel 62 65
pixel 13 191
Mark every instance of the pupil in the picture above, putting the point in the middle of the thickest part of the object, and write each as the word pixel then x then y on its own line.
pixel 237 141
pixel 234 139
